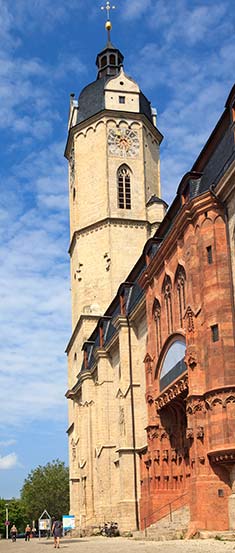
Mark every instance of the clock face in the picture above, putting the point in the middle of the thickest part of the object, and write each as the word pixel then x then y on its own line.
pixel 123 143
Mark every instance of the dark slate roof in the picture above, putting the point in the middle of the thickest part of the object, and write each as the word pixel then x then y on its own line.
pixel 218 162
pixel 155 200
pixel 91 101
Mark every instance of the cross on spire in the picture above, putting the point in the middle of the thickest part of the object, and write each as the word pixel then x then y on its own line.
pixel 108 7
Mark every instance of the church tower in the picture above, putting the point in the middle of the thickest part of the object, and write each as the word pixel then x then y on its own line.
pixel 114 183
pixel 115 206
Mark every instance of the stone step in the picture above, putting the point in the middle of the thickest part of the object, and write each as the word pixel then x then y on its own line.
pixel 170 527
pixel 227 535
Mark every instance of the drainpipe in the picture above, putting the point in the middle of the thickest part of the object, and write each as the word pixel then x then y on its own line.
pixel 223 205
pixel 133 424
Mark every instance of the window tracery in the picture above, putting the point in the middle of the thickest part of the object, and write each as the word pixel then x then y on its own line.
pixel 180 280
pixel 124 187
pixel 157 319
pixel 167 293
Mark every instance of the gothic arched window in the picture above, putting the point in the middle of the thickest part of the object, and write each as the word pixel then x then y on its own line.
pixel 167 293
pixel 173 364
pixel 124 187
pixel 157 319
pixel 180 279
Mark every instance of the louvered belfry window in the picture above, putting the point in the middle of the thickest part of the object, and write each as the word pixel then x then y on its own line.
pixel 124 187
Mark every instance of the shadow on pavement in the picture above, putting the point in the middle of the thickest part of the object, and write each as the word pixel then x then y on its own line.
pixel 64 541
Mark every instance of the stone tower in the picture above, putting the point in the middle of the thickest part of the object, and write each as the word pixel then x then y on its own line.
pixel 114 199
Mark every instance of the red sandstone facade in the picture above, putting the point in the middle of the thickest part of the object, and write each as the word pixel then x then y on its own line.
pixel 191 410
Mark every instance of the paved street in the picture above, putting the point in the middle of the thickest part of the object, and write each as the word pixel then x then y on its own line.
pixel 118 545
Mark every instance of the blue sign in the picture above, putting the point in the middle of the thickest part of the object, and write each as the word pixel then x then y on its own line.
pixel 68 522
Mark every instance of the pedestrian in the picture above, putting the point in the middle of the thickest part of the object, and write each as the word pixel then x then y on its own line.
pixel 27 532
pixel 13 532
pixel 56 532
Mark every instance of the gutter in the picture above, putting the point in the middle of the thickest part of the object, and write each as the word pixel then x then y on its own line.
pixel 133 424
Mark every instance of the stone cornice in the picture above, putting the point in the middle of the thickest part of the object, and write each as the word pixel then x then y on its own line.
pixel 173 390
pixel 107 114
pixel 108 221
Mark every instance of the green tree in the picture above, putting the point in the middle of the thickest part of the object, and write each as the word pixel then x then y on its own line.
pixel 46 488
pixel 16 515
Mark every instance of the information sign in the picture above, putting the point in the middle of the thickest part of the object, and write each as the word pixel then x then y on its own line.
pixel 68 522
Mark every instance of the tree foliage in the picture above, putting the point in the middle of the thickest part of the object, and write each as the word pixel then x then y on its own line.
pixel 46 488
pixel 16 515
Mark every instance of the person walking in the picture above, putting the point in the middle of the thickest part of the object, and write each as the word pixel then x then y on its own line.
pixel 27 532
pixel 57 532
pixel 13 532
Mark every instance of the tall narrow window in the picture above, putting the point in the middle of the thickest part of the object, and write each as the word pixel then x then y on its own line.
pixel 215 333
pixel 157 319
pixel 124 188
pixel 167 292
pixel 209 255
pixel 180 279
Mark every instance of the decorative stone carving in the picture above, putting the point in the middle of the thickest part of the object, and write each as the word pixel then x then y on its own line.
pixel 122 420
pixel 173 455
pixel 157 455
pixel 148 361
pixel 72 167
pixel 220 397
pixel 223 457
pixel 195 404
pixel 148 463
pixel 189 319
pixel 172 392
pixel 201 459
pixel 191 357
pixel 189 433
pixel 74 443
pixel 164 434
pixel 152 432
pixel 200 432
pixel 165 455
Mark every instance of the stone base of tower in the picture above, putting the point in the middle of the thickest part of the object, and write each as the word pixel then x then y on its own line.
pixel 209 498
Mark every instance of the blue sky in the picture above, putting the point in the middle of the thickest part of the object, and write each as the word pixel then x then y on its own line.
pixel 182 53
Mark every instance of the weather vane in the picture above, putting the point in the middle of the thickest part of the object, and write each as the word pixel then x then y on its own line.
pixel 108 24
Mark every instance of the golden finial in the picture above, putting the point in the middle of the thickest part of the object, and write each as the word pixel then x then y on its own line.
pixel 108 24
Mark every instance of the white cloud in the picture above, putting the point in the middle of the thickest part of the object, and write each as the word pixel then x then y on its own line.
pixel 8 462
pixel 135 8
pixel 7 443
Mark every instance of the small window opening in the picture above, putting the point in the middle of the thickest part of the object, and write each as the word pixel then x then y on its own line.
pixel 74 194
pixel 112 59
pixel 121 83
pixel 122 100
pixel 209 255
pixel 220 492
pixel 103 61
pixel 215 333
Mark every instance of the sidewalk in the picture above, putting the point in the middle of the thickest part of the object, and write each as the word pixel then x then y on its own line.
pixel 117 545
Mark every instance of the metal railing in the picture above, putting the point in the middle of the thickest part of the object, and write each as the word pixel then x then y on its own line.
pixel 169 508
